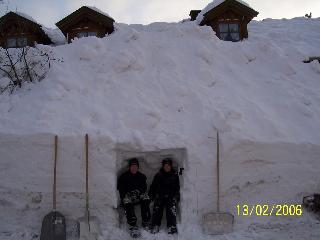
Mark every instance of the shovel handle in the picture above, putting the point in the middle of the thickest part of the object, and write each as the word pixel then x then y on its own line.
pixel 87 172
pixel 218 173
pixel 55 173
pixel 87 181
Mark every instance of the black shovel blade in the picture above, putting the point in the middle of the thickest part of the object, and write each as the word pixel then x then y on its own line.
pixel 53 227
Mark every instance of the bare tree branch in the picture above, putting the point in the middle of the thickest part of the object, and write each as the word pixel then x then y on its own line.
pixel 24 53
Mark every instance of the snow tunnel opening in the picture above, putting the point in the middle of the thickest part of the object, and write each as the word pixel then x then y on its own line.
pixel 150 163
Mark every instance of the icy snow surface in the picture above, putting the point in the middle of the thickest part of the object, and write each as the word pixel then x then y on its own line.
pixel 169 86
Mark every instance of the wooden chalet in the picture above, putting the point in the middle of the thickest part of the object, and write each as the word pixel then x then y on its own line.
pixel 19 30
pixel 86 21
pixel 229 19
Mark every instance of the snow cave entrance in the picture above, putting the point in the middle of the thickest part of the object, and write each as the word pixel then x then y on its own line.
pixel 150 164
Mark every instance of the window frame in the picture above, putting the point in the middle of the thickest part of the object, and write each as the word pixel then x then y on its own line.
pixel 17 42
pixel 229 32
pixel 86 34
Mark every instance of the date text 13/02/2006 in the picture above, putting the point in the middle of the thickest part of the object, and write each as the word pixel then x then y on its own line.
pixel 286 210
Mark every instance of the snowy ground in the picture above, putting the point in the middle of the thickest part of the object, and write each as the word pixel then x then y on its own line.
pixel 170 86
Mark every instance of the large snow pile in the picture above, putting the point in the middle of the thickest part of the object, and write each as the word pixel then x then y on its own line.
pixel 170 86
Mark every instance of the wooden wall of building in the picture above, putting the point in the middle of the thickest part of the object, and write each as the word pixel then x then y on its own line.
pixel 87 25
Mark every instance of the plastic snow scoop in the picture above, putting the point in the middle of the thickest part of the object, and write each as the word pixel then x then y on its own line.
pixel 217 223
pixel 88 225
pixel 54 224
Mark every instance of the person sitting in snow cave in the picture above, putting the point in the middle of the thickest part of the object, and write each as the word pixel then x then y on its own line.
pixel 165 192
pixel 132 186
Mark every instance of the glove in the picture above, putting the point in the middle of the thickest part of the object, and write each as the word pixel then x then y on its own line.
pixel 145 197
pixel 134 196
pixel 126 200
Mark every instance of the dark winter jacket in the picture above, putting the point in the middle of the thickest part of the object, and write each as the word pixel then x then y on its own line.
pixel 129 182
pixel 165 184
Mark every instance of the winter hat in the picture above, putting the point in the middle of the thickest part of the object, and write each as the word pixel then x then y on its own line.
pixel 167 161
pixel 133 161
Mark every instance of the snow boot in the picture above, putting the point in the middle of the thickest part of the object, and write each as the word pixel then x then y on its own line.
pixel 155 229
pixel 312 202
pixel 172 230
pixel 134 232
pixel 146 226
pixel 317 202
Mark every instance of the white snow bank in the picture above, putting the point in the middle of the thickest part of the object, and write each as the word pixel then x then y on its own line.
pixel 212 5
pixel 151 77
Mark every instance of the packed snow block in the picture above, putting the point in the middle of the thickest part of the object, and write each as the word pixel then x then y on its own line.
pixel 27 162
pixel 150 164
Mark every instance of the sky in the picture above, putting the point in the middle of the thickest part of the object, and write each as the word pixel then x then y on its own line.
pixel 48 12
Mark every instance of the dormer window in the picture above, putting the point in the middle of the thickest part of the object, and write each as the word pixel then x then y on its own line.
pixel 86 22
pixel 228 18
pixel 17 42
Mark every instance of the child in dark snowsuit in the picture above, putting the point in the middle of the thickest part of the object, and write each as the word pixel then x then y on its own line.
pixel 165 191
pixel 132 186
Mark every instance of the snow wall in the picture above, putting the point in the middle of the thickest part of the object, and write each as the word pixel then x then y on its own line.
pixel 251 173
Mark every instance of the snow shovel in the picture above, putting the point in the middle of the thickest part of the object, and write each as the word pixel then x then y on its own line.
pixel 54 224
pixel 89 225
pixel 217 223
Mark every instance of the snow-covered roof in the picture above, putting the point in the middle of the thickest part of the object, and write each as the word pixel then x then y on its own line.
pixel 26 16
pixel 55 35
pixel 214 4
pixel 99 11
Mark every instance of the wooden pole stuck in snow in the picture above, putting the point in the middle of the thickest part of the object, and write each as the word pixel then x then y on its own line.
pixel 89 225
pixel 216 223
pixel 54 223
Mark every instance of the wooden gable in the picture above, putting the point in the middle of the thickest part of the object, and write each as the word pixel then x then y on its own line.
pixel 14 26
pixel 86 20
pixel 229 5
